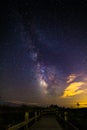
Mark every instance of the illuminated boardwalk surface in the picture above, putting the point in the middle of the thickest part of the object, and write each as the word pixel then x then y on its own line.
pixel 46 123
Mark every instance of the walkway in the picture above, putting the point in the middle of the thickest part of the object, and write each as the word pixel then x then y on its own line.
pixel 46 123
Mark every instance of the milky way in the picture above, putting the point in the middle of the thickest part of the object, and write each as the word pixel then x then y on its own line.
pixel 43 52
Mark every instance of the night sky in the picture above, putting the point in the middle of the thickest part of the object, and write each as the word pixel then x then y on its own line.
pixel 43 52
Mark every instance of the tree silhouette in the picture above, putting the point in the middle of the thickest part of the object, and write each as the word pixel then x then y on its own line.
pixel 78 104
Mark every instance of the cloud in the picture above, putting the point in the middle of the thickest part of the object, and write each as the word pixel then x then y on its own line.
pixel 73 89
pixel 71 78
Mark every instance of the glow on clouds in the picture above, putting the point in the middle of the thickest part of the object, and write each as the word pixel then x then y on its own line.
pixel 71 78
pixel 73 89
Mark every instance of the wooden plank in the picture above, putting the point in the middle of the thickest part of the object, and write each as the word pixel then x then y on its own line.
pixel 46 123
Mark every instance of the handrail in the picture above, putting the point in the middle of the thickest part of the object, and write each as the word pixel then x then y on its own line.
pixel 73 125
pixel 24 123
pixel 28 120
pixel 68 122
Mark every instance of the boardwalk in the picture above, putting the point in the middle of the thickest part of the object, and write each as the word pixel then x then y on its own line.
pixel 46 123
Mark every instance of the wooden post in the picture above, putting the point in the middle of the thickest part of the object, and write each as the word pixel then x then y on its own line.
pixel 26 119
pixel 35 116
pixel 66 116
pixel 66 119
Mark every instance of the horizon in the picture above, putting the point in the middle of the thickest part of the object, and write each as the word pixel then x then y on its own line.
pixel 14 103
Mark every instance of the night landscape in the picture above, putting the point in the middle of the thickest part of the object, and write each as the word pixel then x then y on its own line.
pixel 43 63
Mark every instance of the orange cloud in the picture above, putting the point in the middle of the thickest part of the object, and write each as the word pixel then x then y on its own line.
pixel 73 89
pixel 71 78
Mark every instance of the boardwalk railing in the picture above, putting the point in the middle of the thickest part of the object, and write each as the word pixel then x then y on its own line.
pixel 24 123
pixel 63 120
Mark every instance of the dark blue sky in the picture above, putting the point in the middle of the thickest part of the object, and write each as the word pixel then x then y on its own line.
pixel 43 45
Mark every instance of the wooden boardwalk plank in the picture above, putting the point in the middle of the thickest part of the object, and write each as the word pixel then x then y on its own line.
pixel 46 123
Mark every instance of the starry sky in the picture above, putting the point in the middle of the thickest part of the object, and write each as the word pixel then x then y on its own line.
pixel 43 52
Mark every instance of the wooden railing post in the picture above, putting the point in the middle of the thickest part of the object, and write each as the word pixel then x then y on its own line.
pixel 66 116
pixel 26 119
pixel 66 120
pixel 35 116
